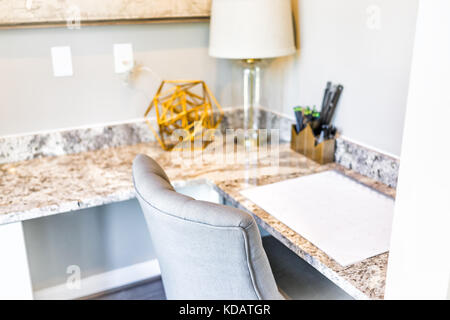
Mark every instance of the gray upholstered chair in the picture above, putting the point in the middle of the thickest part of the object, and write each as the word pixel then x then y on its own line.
pixel 205 250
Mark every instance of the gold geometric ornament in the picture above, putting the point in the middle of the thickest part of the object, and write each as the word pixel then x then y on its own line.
pixel 185 106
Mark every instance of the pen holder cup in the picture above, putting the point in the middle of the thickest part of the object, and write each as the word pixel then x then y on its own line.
pixel 305 143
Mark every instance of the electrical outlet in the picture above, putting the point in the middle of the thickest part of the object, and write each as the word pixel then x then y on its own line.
pixel 62 61
pixel 123 57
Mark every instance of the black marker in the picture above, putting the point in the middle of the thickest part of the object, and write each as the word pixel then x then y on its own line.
pixel 333 104
pixel 299 117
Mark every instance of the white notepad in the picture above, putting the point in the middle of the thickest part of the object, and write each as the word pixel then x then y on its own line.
pixel 347 220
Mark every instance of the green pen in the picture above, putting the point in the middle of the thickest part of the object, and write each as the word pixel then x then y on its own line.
pixel 308 114
pixel 315 114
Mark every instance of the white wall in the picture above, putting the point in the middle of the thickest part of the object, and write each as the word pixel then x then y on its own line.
pixel 31 99
pixel 419 259
pixel 373 65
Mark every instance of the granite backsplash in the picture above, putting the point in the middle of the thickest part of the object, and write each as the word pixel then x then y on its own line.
pixel 367 162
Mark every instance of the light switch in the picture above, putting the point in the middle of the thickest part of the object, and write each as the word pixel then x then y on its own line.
pixel 123 57
pixel 62 61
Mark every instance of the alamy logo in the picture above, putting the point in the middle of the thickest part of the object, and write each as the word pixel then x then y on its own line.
pixel 73 17
pixel 74 278
pixel 373 21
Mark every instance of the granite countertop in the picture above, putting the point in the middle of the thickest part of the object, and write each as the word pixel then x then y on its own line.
pixel 52 185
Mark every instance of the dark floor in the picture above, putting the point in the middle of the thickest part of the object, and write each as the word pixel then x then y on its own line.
pixel 296 278
pixel 150 290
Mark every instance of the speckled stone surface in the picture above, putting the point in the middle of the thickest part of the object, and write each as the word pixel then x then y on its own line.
pixel 51 185
pixel 30 146
pixel 268 119
pixel 59 142
pixel 369 163
pixel 68 141
pixel 55 143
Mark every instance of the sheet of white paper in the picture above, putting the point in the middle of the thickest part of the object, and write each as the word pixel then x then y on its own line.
pixel 347 220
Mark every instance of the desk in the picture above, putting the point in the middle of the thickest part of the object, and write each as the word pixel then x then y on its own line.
pixel 54 185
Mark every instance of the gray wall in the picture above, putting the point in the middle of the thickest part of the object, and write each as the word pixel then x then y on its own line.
pixel 373 65
pixel 335 42
pixel 97 240
pixel 32 99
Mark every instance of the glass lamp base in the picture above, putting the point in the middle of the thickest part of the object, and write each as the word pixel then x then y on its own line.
pixel 251 100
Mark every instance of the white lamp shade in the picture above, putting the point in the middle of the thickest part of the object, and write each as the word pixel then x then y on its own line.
pixel 251 29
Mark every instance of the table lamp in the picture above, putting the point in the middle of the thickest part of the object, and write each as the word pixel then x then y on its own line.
pixel 251 30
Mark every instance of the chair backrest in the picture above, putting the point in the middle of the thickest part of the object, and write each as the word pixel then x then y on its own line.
pixel 205 250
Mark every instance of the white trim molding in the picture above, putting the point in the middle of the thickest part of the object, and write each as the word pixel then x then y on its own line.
pixel 102 282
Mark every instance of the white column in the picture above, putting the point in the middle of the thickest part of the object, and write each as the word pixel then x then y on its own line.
pixel 15 280
pixel 419 261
